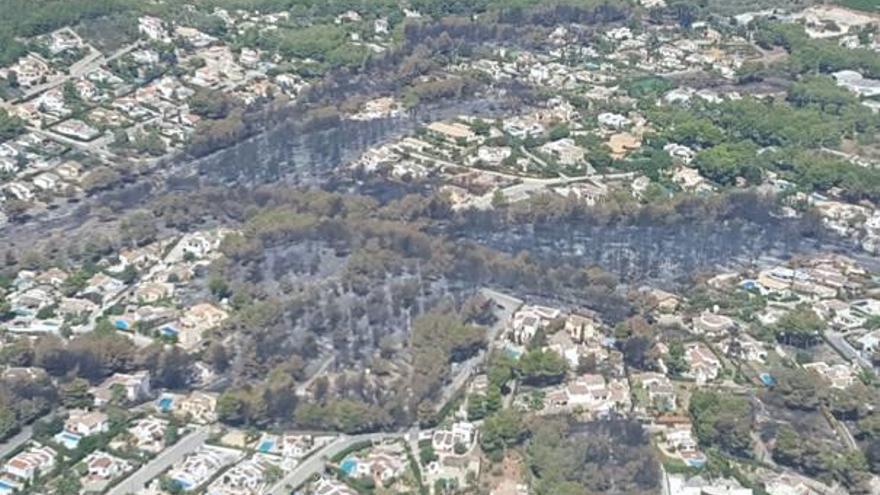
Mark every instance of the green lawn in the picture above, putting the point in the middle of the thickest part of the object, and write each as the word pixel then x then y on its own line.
pixel 866 5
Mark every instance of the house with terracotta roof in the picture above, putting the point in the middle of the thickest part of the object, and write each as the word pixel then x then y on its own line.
pixel 32 462
pixel 703 366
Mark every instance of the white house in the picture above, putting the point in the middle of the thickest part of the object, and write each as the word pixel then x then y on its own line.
pixel 87 423
pixel 28 464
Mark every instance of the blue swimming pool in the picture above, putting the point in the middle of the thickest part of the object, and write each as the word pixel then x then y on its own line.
pixel 165 404
pixel 68 440
pixel 349 466
pixel 266 446
pixel 6 487
pixel 767 379
pixel 183 484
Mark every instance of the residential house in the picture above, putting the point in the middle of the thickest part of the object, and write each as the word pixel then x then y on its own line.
pixel 153 292
pixel 681 437
pixel 194 322
pixel 709 323
pixel 73 306
pixel 200 466
pixel 331 486
pixel 582 326
pixel 47 181
pixel 660 392
pixel 453 131
pixel 105 467
pixel 53 276
pixel 462 432
pixel 703 366
pixel 30 70
pixel 87 423
pixel 682 154
pixel 528 320
pixel 8 165
pixel 838 375
pixel 135 387
pixel 869 342
pixel 744 346
pixel 868 307
pixel 564 150
pixel 613 120
pixel 69 171
pixel 296 446
pixel 590 192
pixel 665 302
pixel 149 434
pixel 200 407
pixel 622 143
pixel 153 28
pixel 492 155
pixel 103 286
pixel 857 83
pixel 250 477
pixel 586 391
pixel 32 462
pixel 523 127
pixel 141 257
pixel 20 191
pixel 690 179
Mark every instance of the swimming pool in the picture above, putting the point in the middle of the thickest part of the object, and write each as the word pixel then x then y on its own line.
pixel 165 404
pixel 266 446
pixel 183 484
pixel 767 379
pixel 349 466
pixel 68 440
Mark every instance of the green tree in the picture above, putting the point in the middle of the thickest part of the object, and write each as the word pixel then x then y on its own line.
pixel 727 161
pixel 501 431
pixel 800 327
pixel 66 484
pixel 10 126
pixel 675 360
pixel 541 367
pixel 722 420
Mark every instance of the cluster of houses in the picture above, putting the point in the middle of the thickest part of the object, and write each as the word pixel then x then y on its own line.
pixel 83 102
pixel 56 301
pixel 717 343
pixel 384 464
pixel 213 467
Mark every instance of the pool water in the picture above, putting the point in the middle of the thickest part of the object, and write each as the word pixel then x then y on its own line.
pixel 183 484
pixel 69 440
pixel 767 380
pixel 266 446
pixel 348 466
pixel 165 404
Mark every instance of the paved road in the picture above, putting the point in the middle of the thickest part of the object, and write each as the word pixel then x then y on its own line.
pixel 16 441
pixel 314 464
pixel 506 307
pixel 163 461
pixel 844 348
pixel 94 60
